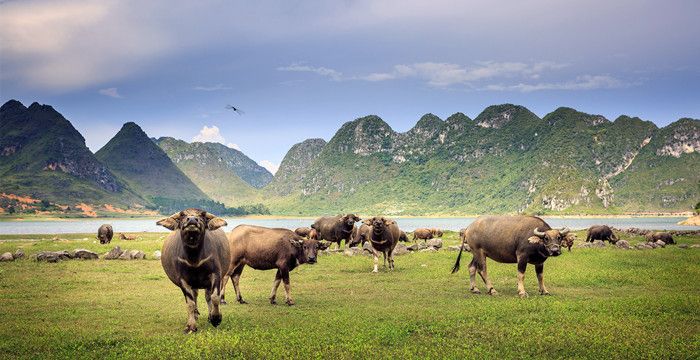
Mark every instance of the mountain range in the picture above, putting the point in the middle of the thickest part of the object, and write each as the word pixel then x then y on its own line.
pixel 506 160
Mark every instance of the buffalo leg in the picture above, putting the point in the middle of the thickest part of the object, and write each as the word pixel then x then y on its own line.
pixel 384 255
pixel 275 285
pixel 224 281
pixel 376 260
pixel 472 276
pixel 391 259
pixel 284 272
pixel 213 300
pixel 522 265
pixel 235 279
pixel 484 276
pixel 191 301
pixel 539 270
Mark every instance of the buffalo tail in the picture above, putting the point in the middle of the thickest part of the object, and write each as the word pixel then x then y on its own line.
pixel 459 257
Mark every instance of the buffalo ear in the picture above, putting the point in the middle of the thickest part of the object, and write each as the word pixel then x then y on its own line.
pixel 171 222
pixel 534 240
pixel 322 245
pixel 356 218
pixel 216 223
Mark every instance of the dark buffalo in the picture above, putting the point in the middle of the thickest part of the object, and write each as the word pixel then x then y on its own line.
pixel 510 239
pixel 196 256
pixel 383 237
pixel 601 232
pixel 658 235
pixel 264 249
pixel 360 235
pixel 105 233
pixel 335 228
pixel 303 231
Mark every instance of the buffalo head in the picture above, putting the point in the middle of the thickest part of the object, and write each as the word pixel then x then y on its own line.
pixel 193 224
pixel 309 249
pixel 551 239
pixel 349 220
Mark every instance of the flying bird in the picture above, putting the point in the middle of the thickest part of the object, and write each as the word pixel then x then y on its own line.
pixel 237 110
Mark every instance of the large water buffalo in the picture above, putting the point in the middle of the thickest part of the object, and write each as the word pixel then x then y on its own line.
pixel 196 256
pixel 510 239
pixel 335 228
pixel 601 232
pixel 383 237
pixel 663 236
pixel 426 234
pixel 105 233
pixel 263 249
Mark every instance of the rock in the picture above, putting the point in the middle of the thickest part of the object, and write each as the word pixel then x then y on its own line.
pixel 453 248
pixel 682 246
pixel 429 249
pixel 156 255
pixel 7 257
pixel 400 249
pixel 660 243
pixel 598 244
pixel 18 254
pixel 622 244
pixel 436 243
pixel 695 246
pixel 85 254
pixel 137 255
pixel 643 246
pixel 53 256
pixel 113 254
pixel 585 245
pixel 349 252
pixel 417 247
pixel 367 247
pixel 653 245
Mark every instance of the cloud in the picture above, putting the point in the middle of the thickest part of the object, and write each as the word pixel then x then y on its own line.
pixel 584 82
pixel 270 166
pixel 234 146
pixel 111 92
pixel 216 87
pixel 323 71
pixel 209 134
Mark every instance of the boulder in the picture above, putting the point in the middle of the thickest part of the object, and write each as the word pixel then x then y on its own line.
pixel 695 246
pixel 429 249
pixel 53 256
pixel 598 244
pixel 622 244
pixel 7 257
pixel 156 255
pixel 18 254
pixel 138 255
pixel 113 254
pixel 85 254
pixel 585 245
pixel 400 249
pixel 436 243
pixel 349 252
pixel 643 246
pixel 683 246
pixel 653 245
pixel 417 247
pixel 660 243
pixel 367 247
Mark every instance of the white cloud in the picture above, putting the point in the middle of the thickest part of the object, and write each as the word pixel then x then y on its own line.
pixel 234 146
pixel 216 87
pixel 270 166
pixel 584 82
pixel 209 134
pixel 111 92
pixel 326 72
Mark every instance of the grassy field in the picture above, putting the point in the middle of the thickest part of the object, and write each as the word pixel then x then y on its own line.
pixel 606 303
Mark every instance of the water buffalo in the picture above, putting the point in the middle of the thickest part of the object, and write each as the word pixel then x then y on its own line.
pixel 658 235
pixel 335 228
pixel 403 237
pixel 510 239
pixel 105 233
pixel 426 234
pixel 313 234
pixel 568 241
pixel 601 232
pixel 127 237
pixel 303 231
pixel 383 237
pixel 196 256
pixel 263 249
pixel 360 235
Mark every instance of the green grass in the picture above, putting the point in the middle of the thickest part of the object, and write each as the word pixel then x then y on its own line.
pixel 606 303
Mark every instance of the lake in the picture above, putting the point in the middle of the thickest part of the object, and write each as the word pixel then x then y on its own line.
pixel 407 224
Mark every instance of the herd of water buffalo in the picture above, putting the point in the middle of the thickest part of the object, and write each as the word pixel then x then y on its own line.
pixel 199 255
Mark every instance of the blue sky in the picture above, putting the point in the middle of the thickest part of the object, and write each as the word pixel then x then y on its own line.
pixel 299 69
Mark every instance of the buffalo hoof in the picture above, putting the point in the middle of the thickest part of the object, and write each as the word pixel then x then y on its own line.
pixel 475 291
pixel 190 329
pixel 215 320
pixel 241 301
pixel 375 271
pixel 523 295
pixel 289 302
pixel 223 302
pixel 546 293
pixel 493 291
pixel 273 301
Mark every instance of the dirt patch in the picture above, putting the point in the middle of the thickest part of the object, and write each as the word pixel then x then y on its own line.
pixel 87 210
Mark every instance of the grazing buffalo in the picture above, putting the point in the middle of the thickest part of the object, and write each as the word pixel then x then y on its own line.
pixel 196 256
pixel 426 234
pixel 658 235
pixel 303 231
pixel 510 239
pixel 105 233
pixel 360 235
pixel 403 237
pixel 263 249
pixel 383 237
pixel 335 228
pixel 601 232
pixel 127 237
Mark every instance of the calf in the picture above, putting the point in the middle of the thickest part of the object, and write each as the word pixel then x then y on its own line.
pixel 601 232
pixel 263 249
pixel 196 256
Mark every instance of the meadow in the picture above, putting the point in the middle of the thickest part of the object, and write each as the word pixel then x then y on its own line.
pixel 605 303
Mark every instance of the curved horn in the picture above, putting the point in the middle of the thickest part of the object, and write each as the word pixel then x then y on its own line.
pixel 538 232
pixel 565 230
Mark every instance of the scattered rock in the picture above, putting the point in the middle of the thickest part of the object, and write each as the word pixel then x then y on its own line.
pixel 429 249
pixel 598 244
pixel 349 252
pixel 400 249
pixel 85 254
pixel 417 247
pixel 660 243
pixel 622 244
pixel 585 245
pixel 7 257
pixel 132 255
pixel 436 243
pixel 367 247
pixel 113 254
pixel 53 256
pixel 156 255
pixel 643 246
pixel 653 245
pixel 18 254
pixel 682 246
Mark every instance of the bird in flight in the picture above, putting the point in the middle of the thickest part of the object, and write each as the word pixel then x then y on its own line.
pixel 237 110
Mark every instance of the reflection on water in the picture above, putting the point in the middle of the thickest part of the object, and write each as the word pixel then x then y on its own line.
pixel 407 224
